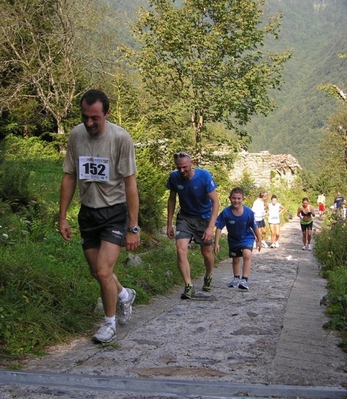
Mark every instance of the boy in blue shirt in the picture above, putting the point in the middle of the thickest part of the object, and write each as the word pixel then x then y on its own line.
pixel 242 227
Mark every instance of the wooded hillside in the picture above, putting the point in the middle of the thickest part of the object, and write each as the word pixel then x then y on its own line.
pixel 314 31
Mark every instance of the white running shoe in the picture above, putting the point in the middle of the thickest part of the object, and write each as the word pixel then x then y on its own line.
pixel 277 245
pixel 303 248
pixel 125 309
pixel 106 333
pixel 264 245
pixel 309 247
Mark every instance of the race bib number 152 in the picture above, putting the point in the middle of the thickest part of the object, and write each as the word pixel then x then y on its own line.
pixel 92 168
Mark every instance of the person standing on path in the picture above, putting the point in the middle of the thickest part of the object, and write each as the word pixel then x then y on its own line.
pixel 259 213
pixel 339 202
pixel 306 213
pixel 321 204
pixel 274 209
pixel 100 159
pixel 242 227
pixel 199 206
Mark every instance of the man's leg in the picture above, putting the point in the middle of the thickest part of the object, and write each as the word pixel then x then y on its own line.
pixel 263 237
pixel 182 259
pixel 101 263
pixel 207 253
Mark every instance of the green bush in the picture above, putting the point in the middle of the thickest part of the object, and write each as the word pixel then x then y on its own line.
pixel 330 251
pixel 151 187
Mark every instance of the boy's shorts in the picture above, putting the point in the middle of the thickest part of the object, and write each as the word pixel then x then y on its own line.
pixel 237 253
pixel 103 224
pixel 191 227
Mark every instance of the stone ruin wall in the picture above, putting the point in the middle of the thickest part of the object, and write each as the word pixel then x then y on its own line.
pixel 265 168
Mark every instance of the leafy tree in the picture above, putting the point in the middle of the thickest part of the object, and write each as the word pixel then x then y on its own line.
pixel 332 176
pixel 43 59
pixel 202 63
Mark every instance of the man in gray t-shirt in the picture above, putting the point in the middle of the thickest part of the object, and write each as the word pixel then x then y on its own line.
pixel 100 160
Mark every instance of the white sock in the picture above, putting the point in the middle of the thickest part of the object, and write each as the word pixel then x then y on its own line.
pixel 111 320
pixel 123 296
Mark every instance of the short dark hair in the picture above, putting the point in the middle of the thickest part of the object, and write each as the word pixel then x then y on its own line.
pixel 237 190
pixel 273 196
pixel 93 95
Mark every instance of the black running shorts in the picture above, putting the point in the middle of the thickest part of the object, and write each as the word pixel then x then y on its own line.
pixel 103 224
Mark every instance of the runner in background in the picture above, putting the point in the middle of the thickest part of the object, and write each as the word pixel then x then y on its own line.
pixel 259 214
pixel 321 204
pixel 306 213
pixel 274 210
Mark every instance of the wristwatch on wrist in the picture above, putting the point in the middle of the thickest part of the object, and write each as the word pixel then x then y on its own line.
pixel 134 229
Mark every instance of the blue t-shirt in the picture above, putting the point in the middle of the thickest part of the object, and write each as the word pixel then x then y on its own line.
pixel 193 193
pixel 240 228
pixel 339 200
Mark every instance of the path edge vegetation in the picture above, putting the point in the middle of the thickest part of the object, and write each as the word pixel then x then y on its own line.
pixel 46 293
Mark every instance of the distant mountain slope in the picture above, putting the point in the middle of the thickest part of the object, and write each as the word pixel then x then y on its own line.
pixel 316 33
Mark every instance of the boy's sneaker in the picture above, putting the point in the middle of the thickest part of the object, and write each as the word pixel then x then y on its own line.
pixel 264 245
pixel 309 247
pixel 235 282
pixel 243 285
pixel 125 309
pixel 303 248
pixel 272 245
pixel 106 333
pixel 188 292
pixel 207 284
pixel 277 245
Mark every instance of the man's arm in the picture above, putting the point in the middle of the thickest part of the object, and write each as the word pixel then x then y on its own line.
pixel 171 205
pixel 132 240
pixel 216 240
pixel 67 190
pixel 208 235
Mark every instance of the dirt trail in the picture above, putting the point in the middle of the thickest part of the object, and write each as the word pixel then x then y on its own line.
pixel 270 335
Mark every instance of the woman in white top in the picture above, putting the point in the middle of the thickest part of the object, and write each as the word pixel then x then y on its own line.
pixel 274 209
pixel 258 209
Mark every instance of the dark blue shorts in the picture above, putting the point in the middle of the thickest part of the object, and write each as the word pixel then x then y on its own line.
pixel 261 223
pixel 237 253
pixel 103 224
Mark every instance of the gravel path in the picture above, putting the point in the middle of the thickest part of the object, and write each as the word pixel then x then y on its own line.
pixel 271 335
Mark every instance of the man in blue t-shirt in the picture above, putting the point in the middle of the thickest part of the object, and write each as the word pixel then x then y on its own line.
pixel 198 212
pixel 339 203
